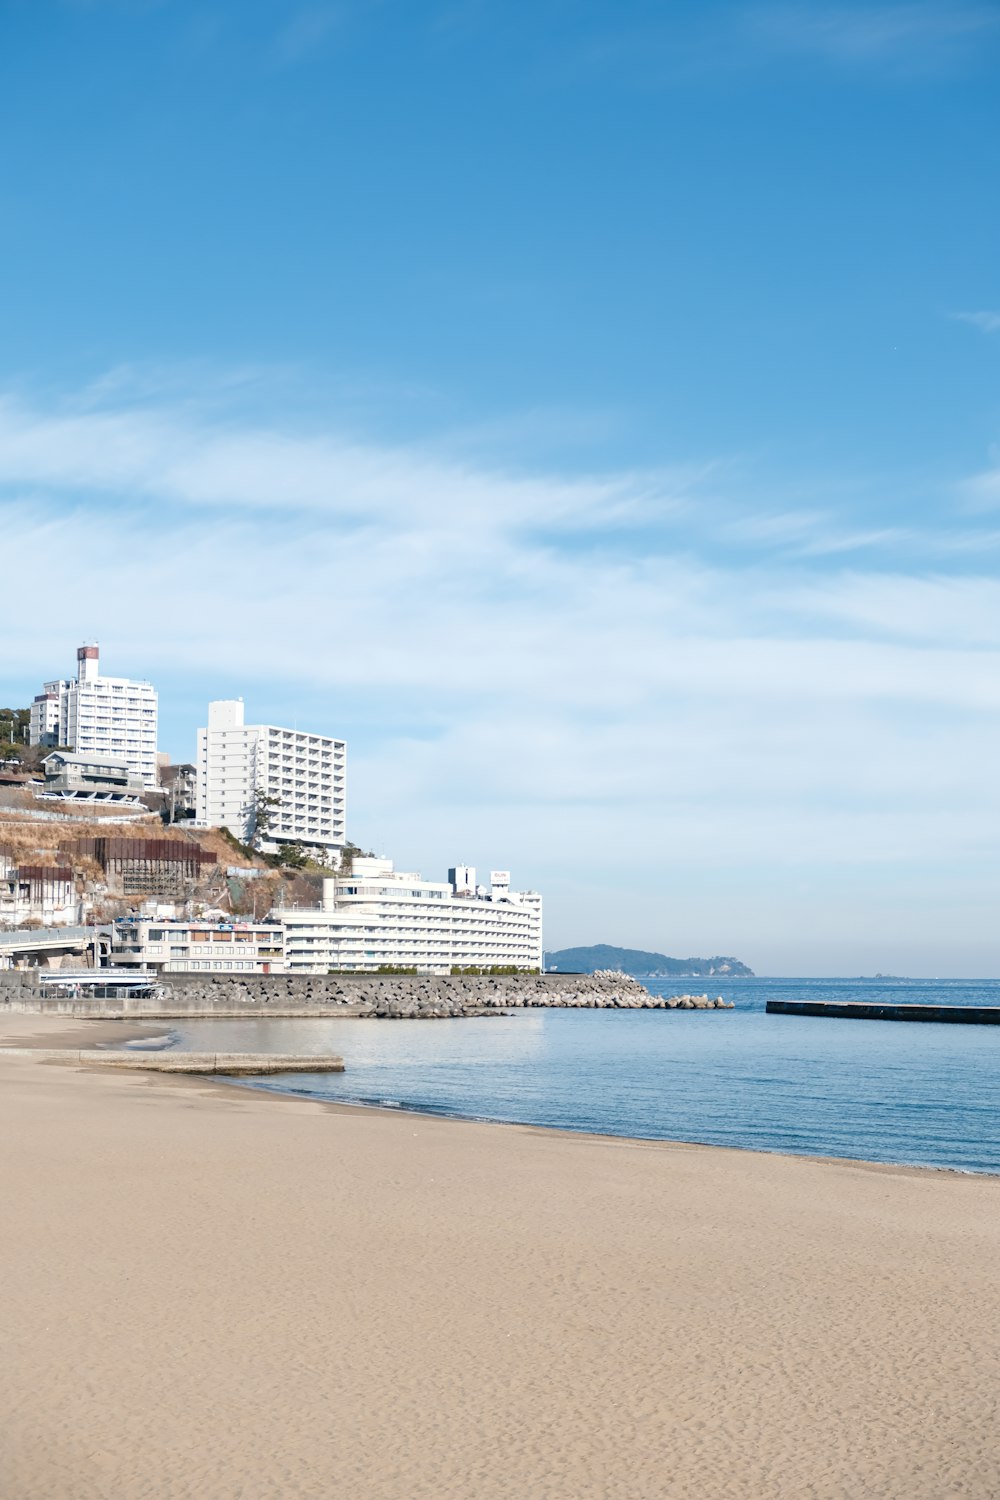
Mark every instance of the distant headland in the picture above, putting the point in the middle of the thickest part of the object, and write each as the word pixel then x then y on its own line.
pixel 640 964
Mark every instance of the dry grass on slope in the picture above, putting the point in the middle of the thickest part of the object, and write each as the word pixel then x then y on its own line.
pixel 39 839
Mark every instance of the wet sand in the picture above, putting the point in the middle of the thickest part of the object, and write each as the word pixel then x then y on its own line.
pixel 67 1031
pixel 217 1293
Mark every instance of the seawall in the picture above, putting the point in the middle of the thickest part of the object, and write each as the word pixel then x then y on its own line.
pixel 379 995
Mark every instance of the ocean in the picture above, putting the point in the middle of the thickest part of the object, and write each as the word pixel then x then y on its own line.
pixel 883 1091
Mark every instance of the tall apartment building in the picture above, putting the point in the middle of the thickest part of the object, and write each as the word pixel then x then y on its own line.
pixel 303 777
pixel 378 917
pixel 90 713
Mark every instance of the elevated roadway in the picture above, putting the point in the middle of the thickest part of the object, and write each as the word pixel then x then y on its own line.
pixel 41 945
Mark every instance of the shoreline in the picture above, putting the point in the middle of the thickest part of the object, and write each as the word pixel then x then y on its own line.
pixel 114 1033
pixel 568 1132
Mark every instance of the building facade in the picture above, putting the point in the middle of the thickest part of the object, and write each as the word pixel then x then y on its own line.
pixel 46 714
pixel 378 918
pixel 37 894
pixel 179 785
pixel 90 777
pixel 198 946
pixel 113 716
pixel 271 786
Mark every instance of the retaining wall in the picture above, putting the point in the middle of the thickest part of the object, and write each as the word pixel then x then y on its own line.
pixel 19 985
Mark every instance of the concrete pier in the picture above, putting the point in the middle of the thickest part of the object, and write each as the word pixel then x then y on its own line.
pixel 234 1063
pixel 854 1010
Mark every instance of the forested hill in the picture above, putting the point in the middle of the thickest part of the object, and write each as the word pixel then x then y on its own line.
pixel 638 962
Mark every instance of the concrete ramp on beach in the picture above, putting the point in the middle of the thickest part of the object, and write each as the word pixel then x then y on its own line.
pixel 245 1064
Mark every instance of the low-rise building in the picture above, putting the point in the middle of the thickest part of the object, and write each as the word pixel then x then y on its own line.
pixel 381 918
pixel 90 777
pixel 199 946
pixel 37 894
pixel 180 789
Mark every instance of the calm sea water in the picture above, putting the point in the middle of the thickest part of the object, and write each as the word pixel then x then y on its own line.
pixel 874 1090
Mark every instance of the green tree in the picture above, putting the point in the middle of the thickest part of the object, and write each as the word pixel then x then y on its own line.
pixel 14 727
pixel 348 855
pixel 263 811
pixel 293 856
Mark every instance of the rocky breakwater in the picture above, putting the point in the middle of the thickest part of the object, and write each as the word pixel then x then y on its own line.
pixel 466 995
pixel 385 996
pixel 698 1002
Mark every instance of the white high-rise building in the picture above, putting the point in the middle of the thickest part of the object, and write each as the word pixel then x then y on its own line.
pixel 279 786
pixel 112 716
pixel 381 918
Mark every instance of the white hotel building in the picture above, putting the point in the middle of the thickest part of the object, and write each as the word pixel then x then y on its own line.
pixel 198 946
pixel 378 917
pixel 113 717
pixel 304 774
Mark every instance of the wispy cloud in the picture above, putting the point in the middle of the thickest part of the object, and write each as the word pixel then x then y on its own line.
pixel 954 611
pixel 909 33
pixel 127 7
pixel 170 452
pixel 306 30
pixel 982 491
pixel 811 533
pixel 916 38
pixel 989 322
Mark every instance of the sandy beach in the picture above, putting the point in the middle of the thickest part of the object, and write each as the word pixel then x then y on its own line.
pixel 213 1293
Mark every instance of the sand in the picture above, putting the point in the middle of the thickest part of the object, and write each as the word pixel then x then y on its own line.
pixel 208 1292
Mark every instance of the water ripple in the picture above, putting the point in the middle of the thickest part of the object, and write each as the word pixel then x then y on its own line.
pixel 874 1090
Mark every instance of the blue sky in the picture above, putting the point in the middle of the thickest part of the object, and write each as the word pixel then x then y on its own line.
pixel 590 411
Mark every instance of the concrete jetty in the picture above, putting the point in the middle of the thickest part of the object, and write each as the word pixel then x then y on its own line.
pixel 233 1063
pixel 857 1010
